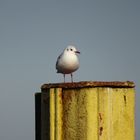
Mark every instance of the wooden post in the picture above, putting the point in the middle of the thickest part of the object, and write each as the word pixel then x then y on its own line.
pixel 86 111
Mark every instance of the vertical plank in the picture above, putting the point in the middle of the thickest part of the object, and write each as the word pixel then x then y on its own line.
pixel 59 113
pixel 116 113
pixel 105 114
pixel 123 114
pixel 92 113
pixel 38 116
pixel 69 114
pixel 56 114
pixel 80 114
pixel 52 114
pixel 45 115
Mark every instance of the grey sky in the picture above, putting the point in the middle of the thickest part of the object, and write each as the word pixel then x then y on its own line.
pixel 34 33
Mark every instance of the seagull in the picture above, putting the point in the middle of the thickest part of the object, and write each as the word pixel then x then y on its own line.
pixel 68 61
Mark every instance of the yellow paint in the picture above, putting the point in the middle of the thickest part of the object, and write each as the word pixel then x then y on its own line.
pixel 116 106
pixel 99 113
pixel 123 114
pixel 56 114
pixel 80 114
pixel 52 114
pixel 92 114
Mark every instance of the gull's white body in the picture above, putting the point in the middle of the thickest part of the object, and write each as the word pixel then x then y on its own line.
pixel 68 61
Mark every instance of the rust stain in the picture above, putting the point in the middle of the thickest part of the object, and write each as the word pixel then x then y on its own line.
pixel 100 124
pixel 101 131
pixel 100 116
pixel 124 97
pixel 67 96
pixel 60 95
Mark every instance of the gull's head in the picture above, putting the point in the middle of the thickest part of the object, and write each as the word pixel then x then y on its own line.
pixel 71 49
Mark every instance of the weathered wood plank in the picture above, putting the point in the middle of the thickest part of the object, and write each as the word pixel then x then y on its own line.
pixel 80 114
pixel 56 114
pixel 116 114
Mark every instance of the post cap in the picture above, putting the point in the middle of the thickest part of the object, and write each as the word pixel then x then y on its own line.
pixel 83 84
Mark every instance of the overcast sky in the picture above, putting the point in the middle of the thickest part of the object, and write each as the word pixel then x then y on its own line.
pixel 33 33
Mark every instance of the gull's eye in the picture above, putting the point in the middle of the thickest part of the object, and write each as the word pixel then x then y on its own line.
pixel 67 49
pixel 71 49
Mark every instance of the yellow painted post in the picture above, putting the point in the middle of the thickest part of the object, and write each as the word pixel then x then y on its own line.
pixel 86 111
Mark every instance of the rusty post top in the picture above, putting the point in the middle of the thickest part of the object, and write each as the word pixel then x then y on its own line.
pixel 83 84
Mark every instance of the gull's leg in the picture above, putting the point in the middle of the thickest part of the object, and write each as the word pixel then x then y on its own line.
pixel 71 77
pixel 64 77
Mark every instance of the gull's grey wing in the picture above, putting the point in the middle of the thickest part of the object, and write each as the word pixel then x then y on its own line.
pixel 56 66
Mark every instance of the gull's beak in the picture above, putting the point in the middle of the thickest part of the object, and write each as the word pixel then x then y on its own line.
pixel 77 52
